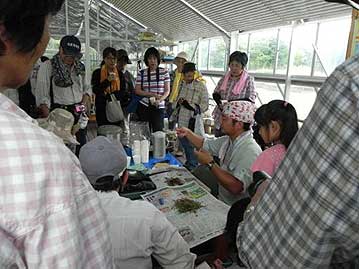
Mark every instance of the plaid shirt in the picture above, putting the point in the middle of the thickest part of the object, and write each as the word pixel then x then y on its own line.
pixel 50 217
pixel 196 94
pixel 308 217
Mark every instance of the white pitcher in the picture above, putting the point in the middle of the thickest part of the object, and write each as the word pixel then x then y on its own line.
pixel 159 145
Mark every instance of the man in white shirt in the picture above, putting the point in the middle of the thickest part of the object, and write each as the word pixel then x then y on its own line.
pixel 137 228
pixel 60 83
pixel 237 150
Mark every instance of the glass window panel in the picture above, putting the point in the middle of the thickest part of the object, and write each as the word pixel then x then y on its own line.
pixel 332 45
pixel 189 48
pixel 243 43
pixel 303 38
pixel 268 92
pixel 262 51
pixel 203 54
pixel 180 47
pixel 302 98
pixel 234 40
pixel 318 68
pixel 283 50
pixel 217 50
pixel 211 83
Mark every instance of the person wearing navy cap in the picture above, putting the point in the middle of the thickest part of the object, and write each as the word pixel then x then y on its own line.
pixel 61 84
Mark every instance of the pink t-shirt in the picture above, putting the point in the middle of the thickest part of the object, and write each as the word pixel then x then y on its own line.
pixel 269 160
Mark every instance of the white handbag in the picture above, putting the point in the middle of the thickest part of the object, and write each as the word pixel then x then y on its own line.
pixel 199 125
pixel 114 112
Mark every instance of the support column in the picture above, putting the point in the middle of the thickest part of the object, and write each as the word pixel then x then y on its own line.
pixel 289 65
pixel 87 44
pixel 67 17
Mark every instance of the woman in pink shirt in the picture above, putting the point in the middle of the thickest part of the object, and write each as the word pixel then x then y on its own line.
pixel 278 124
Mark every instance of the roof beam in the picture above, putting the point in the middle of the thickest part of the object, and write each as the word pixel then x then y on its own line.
pixel 124 14
pixel 205 17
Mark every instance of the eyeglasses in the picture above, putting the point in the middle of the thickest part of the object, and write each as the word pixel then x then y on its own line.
pixel 111 58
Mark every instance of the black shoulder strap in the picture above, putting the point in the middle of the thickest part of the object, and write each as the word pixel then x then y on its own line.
pixel 51 94
pixel 142 71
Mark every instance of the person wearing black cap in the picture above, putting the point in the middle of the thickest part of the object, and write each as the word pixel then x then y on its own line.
pixel 192 99
pixel 308 215
pixel 60 83
pixel 126 78
pixel 127 82
pixel 234 85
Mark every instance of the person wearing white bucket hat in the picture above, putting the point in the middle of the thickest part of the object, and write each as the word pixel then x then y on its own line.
pixel 61 123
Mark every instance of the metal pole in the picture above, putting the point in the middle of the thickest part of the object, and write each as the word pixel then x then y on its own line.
pixel 227 41
pixel 67 18
pixel 248 47
pixel 288 76
pixel 199 51
pixel 276 53
pixel 209 47
pixel 127 22
pixel 110 26
pixel 236 44
pixel 98 30
pixel 314 50
pixel 320 60
pixel 87 44
pixel 194 51
pixel 200 14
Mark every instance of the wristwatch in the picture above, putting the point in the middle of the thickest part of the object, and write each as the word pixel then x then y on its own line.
pixel 211 164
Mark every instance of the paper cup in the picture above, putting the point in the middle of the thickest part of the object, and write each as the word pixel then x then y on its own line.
pixel 128 161
pixel 136 159
pixel 152 100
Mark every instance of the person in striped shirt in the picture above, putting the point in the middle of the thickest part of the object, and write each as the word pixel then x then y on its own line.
pixel 153 84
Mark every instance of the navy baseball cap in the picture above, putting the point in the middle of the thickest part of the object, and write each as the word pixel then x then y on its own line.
pixel 71 45
pixel 121 53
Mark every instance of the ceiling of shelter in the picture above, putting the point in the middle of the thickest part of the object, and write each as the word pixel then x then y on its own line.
pixel 177 21
pixel 111 28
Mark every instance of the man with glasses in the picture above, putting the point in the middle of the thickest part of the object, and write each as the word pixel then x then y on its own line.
pixel 61 85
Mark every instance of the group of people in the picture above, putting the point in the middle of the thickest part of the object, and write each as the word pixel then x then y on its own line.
pixel 305 216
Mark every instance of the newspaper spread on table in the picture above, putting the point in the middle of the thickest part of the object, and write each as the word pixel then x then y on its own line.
pixel 197 225
pixel 171 176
